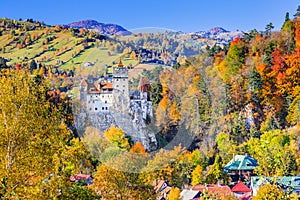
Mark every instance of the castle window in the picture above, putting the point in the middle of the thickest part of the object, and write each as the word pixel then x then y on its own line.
pixel 93 101
pixel 105 108
pixel 102 108
pixel 96 108
pixel 105 101
pixel 102 96
pixel 117 79
pixel 123 85
pixel 96 96
pixel 117 85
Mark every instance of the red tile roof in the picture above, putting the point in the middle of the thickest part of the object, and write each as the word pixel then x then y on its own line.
pixel 77 177
pixel 240 187
pixel 107 86
pixel 214 189
pixel 157 184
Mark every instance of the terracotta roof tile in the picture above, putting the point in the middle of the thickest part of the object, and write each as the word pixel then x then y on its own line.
pixel 240 187
pixel 107 86
pixel 77 177
pixel 218 190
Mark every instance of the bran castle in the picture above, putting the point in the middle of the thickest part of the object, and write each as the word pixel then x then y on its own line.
pixel 109 100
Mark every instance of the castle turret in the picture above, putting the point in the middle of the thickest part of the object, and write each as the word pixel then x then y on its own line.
pixel 120 80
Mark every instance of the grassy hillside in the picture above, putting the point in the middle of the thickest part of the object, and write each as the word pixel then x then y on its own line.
pixel 55 46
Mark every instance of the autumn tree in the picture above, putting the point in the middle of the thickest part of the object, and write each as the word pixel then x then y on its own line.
pixel 197 175
pixel 118 184
pixel 174 194
pixel 226 146
pixel 133 55
pixel 234 59
pixel 273 192
pixel 35 158
pixel 163 167
pixel 138 148
pixel 117 137
pixel 276 153
pixel 216 172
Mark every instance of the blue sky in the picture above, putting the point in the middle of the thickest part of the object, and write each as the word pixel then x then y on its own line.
pixel 184 15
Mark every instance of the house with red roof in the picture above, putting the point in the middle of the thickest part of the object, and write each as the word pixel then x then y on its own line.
pixel 214 190
pixel 241 191
pixel 162 189
pixel 82 178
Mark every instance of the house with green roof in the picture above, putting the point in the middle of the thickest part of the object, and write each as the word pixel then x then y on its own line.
pixel 287 183
pixel 241 167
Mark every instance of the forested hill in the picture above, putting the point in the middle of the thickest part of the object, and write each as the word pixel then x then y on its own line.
pixel 244 91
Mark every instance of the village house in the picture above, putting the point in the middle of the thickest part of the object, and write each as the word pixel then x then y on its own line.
pixel 214 190
pixel 82 178
pixel 287 183
pixel 189 194
pixel 241 167
pixel 241 191
pixel 161 188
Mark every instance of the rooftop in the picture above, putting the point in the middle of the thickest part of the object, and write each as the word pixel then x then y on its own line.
pixel 214 189
pixel 283 181
pixel 240 187
pixel 241 162
pixel 189 194
pixel 77 177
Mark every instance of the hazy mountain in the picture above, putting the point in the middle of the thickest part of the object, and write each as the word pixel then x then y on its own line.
pixel 217 33
pixel 107 29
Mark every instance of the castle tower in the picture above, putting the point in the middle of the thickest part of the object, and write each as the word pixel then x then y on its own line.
pixel 145 97
pixel 120 80
pixel 144 88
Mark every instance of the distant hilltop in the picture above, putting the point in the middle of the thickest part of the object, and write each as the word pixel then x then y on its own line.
pixel 217 33
pixel 107 29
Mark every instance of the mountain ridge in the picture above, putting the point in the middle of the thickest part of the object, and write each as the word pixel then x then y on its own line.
pixel 103 28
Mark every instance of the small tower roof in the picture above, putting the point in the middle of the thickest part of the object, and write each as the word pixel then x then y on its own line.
pixel 120 64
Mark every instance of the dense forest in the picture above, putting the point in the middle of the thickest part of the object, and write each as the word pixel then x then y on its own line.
pixel 244 98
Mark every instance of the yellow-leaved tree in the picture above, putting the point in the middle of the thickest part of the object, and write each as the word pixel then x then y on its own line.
pixel 174 194
pixel 35 160
pixel 117 137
